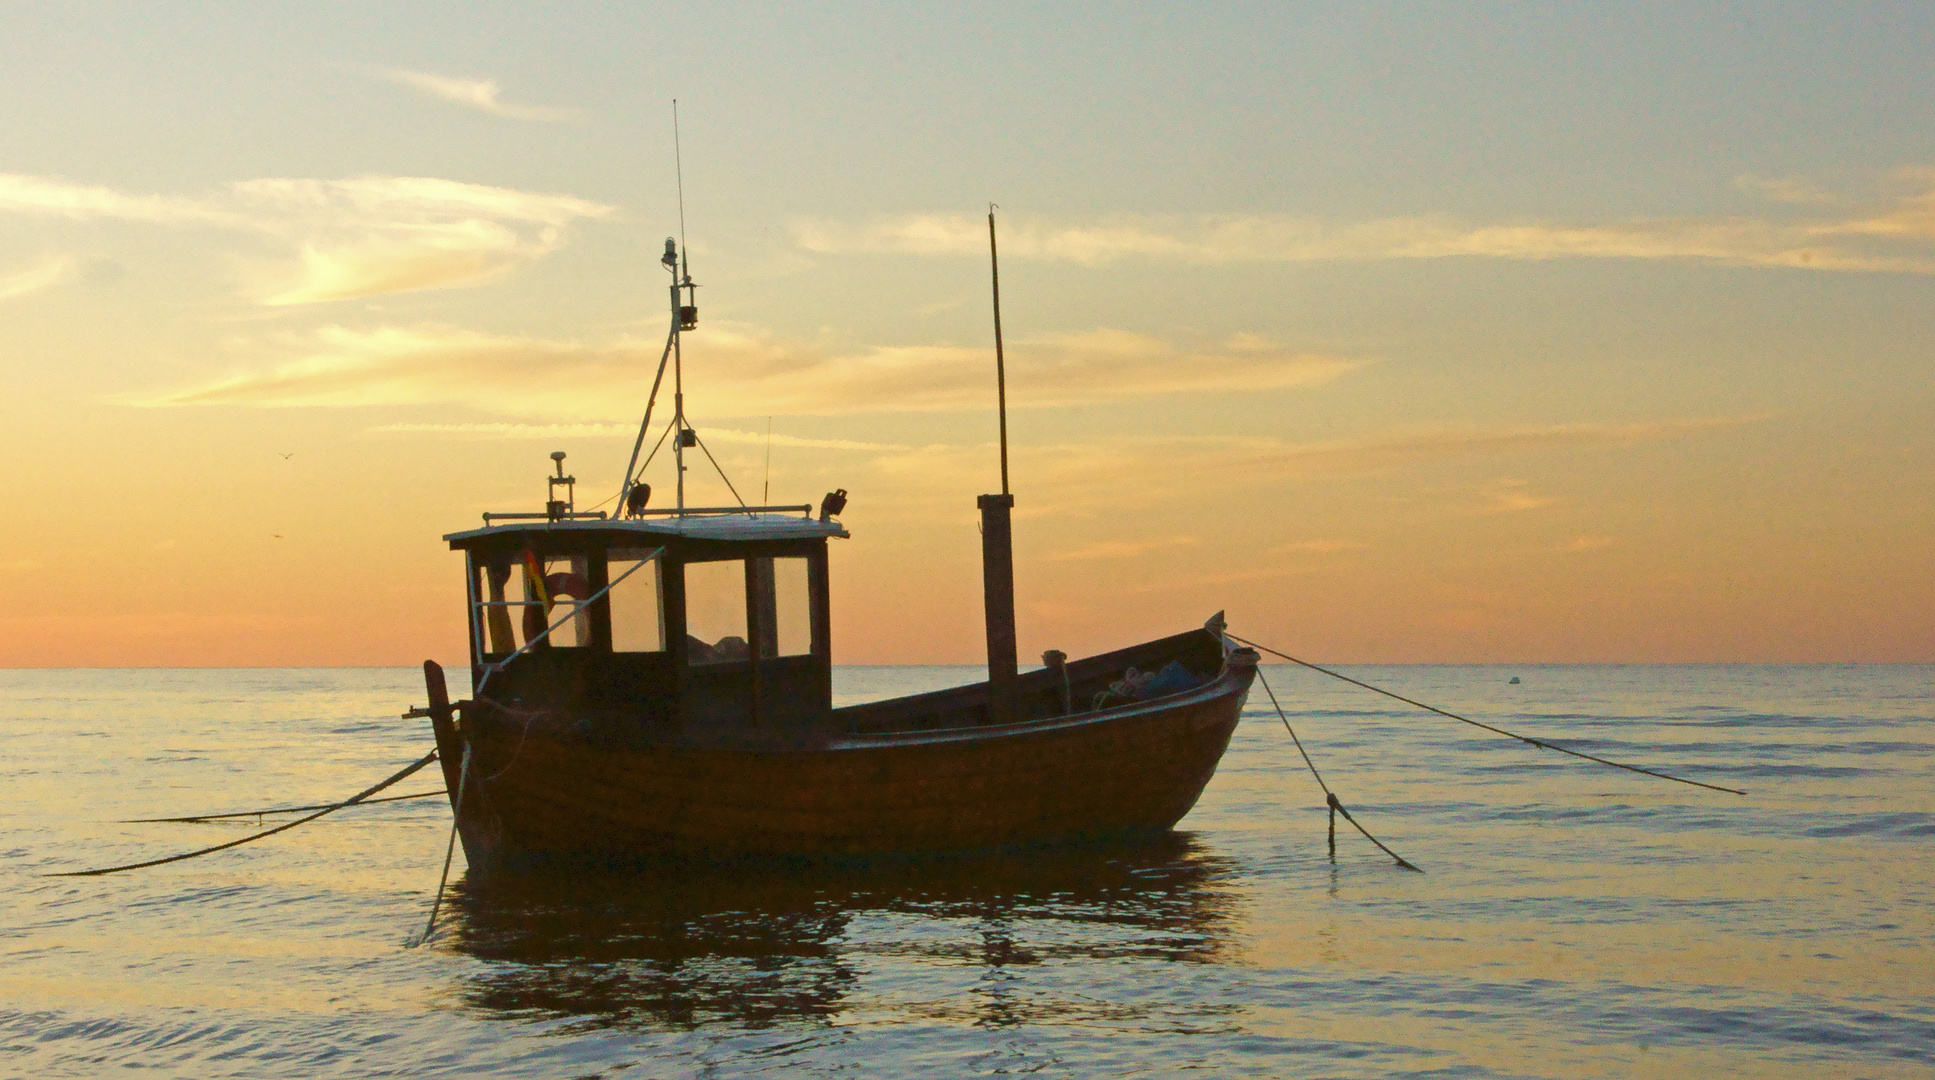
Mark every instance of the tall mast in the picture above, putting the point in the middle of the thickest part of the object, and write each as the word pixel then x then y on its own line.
pixel 997 540
pixel 1000 361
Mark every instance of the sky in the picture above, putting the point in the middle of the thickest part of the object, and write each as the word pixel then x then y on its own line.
pixel 1421 333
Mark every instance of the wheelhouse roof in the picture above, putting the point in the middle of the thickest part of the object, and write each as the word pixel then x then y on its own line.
pixel 742 527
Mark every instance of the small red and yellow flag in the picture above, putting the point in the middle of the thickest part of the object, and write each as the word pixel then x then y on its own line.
pixel 534 581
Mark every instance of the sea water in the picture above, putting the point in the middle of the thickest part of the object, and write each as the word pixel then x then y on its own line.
pixel 1572 920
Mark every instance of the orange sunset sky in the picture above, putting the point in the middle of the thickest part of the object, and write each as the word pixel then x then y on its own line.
pixel 1405 335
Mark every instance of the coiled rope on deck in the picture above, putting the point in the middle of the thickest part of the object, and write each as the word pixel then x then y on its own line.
pixel 1527 739
pixel 400 774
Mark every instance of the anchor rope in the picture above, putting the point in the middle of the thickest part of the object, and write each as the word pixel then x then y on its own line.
pixel 331 808
pixel 194 818
pixel 449 848
pixel 1527 739
pixel 1330 797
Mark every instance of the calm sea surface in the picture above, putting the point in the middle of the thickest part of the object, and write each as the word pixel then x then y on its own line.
pixel 1574 921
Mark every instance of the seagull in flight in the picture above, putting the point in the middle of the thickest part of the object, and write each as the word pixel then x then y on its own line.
pixel 288 455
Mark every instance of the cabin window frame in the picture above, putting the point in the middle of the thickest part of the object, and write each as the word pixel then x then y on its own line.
pixel 759 670
pixel 806 677
pixel 592 629
pixel 602 610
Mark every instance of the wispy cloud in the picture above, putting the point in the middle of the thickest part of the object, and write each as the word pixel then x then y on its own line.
pixel 1510 497
pixel 480 94
pixel 1893 235
pixel 1171 583
pixel 1120 549
pixel 1786 189
pixel 49 196
pixel 1584 543
pixel 1406 448
pixel 50 272
pixel 1133 471
pixel 350 238
pixel 1319 547
pixel 610 431
pixel 759 438
pixel 402 233
pixel 748 373
pixel 507 431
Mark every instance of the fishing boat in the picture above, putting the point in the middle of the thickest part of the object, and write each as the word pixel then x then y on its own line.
pixel 658 682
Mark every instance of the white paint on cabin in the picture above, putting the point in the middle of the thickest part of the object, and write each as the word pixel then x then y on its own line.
pixel 739 526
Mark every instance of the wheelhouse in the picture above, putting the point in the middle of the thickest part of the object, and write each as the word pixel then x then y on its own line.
pixel 695 621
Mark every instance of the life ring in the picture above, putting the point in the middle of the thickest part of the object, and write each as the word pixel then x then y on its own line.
pixel 568 584
pixel 536 619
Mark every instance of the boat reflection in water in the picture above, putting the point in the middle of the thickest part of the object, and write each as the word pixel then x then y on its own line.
pixel 684 945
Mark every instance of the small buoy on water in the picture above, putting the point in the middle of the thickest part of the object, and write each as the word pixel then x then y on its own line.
pixel 1514 681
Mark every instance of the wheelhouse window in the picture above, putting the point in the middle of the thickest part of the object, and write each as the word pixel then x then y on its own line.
pixel 523 594
pixel 637 600
pixel 735 605
pixel 780 591
pixel 715 612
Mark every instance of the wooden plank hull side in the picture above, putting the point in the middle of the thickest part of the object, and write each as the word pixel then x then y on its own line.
pixel 546 793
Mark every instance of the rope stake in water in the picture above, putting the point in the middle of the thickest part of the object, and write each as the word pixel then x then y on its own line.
pixel 331 808
pixel 1330 797
pixel 193 819
pixel 1528 740
pixel 450 848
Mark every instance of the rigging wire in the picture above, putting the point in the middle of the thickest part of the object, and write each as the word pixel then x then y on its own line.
pixel 715 466
pixel 645 425
pixel 655 446
pixel 1330 797
pixel 1540 743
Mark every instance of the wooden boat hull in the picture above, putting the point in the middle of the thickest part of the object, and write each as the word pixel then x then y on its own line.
pixel 541 789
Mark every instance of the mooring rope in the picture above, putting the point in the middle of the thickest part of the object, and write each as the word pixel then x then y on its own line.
pixel 332 807
pixel 1330 797
pixel 1540 743
pixel 450 847
pixel 276 810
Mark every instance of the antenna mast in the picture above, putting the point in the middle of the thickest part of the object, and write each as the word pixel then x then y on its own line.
pixel 684 316
pixel 678 170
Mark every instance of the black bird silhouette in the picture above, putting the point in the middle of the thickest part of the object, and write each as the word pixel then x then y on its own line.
pixel 287 456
